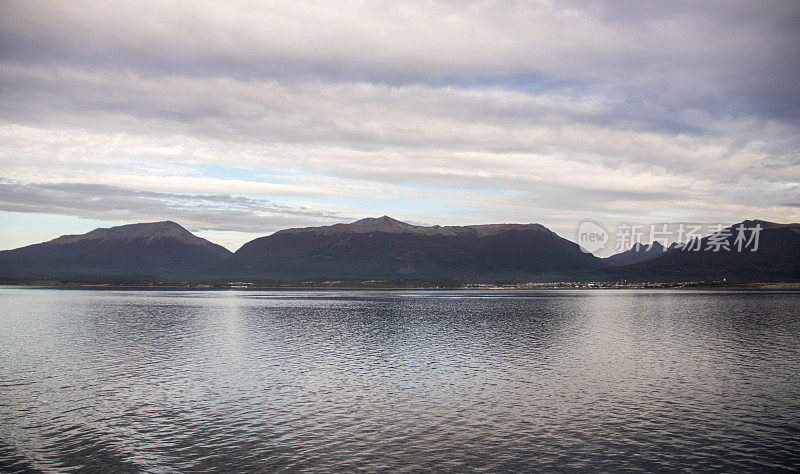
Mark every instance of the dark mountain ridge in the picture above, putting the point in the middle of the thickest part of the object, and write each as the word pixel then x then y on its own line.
pixel 777 257
pixel 390 225
pixel 387 248
pixel 162 249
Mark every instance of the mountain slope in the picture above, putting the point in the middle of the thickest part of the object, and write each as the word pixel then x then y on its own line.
pixel 163 249
pixel 638 253
pixel 777 258
pixel 385 247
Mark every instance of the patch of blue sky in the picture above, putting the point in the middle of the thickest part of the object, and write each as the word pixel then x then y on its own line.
pixel 422 201
pixel 245 173
pixel 20 229
pixel 521 81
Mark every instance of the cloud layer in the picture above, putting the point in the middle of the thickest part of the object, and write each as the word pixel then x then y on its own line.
pixel 251 116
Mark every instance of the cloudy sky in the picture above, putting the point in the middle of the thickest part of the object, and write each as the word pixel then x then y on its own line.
pixel 237 119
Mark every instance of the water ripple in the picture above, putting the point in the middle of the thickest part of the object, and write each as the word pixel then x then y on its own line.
pixel 403 381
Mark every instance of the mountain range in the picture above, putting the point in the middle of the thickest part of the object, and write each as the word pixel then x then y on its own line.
pixel 387 248
pixel 777 257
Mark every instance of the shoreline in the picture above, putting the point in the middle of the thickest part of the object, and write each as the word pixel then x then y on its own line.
pixel 754 286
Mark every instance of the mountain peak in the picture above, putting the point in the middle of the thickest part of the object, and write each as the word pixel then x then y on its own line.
pixel 153 248
pixel 639 252
pixel 391 225
pixel 383 221
pixel 653 246
pixel 146 231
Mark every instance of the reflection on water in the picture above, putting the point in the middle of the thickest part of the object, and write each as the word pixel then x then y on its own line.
pixel 407 380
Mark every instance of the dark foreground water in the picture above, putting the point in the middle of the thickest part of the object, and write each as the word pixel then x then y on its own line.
pixel 407 380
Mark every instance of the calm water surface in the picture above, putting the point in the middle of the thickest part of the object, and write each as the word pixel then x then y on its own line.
pixel 405 380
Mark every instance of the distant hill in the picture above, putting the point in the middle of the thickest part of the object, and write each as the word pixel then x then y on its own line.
pixel 387 248
pixel 777 258
pixel 637 253
pixel 162 249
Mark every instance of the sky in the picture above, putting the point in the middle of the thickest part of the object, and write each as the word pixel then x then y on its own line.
pixel 237 119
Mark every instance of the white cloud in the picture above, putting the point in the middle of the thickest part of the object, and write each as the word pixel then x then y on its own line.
pixel 526 110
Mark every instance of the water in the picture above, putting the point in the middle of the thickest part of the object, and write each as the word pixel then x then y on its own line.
pixel 406 380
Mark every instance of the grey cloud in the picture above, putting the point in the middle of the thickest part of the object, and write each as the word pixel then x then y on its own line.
pixel 202 212
pixel 731 57
pixel 779 16
pixel 374 118
pixel 649 98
